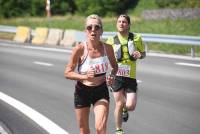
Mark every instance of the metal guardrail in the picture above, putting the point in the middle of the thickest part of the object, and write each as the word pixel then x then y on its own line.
pixel 8 29
pixel 157 38
pixel 170 39
pixel 175 39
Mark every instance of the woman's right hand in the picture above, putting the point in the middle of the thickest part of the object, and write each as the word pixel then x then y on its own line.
pixel 90 73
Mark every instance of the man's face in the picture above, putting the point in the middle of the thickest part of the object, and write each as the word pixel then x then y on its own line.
pixel 122 24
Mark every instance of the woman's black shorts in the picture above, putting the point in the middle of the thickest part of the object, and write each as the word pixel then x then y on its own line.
pixel 128 84
pixel 84 95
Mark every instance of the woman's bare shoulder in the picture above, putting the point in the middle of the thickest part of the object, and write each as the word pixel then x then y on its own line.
pixel 79 48
pixel 108 47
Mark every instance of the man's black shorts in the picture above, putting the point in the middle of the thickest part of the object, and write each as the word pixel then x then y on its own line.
pixel 128 84
pixel 84 95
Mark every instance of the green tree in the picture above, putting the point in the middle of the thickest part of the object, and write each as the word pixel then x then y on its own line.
pixel 10 8
pixel 13 8
pixel 37 8
pixel 104 7
pixel 61 7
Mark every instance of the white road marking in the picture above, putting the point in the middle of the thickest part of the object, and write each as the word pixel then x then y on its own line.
pixel 2 131
pixel 40 119
pixel 139 81
pixel 187 64
pixel 42 63
pixel 173 56
pixel 49 49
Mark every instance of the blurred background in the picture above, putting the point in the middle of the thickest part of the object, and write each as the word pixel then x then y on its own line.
pixel 171 17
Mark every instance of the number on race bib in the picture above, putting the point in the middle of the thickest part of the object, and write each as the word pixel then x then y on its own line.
pixel 124 70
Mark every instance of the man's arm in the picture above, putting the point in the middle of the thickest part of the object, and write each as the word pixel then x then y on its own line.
pixel 143 55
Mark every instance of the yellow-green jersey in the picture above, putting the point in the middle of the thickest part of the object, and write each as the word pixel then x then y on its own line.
pixel 124 48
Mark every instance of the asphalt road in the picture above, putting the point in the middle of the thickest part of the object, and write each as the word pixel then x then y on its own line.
pixel 168 95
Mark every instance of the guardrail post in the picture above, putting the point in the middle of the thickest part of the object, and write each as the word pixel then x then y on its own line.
pixel 146 47
pixel 193 51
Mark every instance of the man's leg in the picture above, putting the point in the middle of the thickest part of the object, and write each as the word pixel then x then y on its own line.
pixel 131 101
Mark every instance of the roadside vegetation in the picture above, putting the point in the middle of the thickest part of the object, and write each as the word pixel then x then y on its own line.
pixel 139 25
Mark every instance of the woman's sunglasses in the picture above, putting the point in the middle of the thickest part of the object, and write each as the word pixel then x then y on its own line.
pixel 95 27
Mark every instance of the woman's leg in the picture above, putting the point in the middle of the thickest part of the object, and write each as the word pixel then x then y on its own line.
pixel 82 116
pixel 101 110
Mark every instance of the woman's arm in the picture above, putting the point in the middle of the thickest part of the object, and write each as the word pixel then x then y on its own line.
pixel 70 67
pixel 112 59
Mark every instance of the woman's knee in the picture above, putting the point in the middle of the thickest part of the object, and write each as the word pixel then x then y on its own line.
pixel 83 126
pixel 84 129
pixel 100 128
pixel 100 124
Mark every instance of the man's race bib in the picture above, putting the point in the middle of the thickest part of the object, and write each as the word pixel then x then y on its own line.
pixel 124 70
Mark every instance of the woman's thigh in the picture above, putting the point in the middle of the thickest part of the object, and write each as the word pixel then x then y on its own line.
pixel 101 110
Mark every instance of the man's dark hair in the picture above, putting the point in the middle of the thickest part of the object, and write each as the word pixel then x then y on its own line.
pixel 125 16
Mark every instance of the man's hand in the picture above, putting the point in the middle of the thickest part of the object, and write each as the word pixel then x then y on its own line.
pixel 136 55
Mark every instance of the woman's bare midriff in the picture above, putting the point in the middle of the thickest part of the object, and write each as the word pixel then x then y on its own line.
pixel 96 81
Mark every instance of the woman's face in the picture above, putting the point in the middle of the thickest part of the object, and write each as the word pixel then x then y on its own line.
pixel 122 24
pixel 93 29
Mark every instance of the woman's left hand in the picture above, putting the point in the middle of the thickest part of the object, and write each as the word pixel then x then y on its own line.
pixel 110 80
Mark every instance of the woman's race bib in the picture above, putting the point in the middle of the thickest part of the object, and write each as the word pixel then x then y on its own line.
pixel 99 64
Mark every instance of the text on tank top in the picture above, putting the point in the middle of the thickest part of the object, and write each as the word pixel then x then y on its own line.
pixel 100 64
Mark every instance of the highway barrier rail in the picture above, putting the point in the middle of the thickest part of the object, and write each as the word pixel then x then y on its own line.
pixel 147 38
